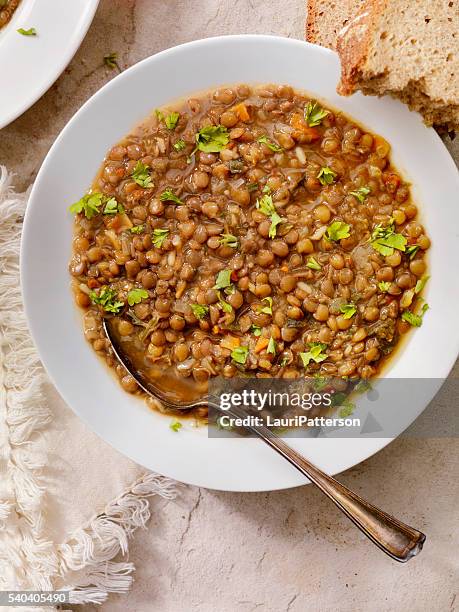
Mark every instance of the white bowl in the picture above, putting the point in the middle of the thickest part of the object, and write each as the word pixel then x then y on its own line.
pixel 31 64
pixel 82 379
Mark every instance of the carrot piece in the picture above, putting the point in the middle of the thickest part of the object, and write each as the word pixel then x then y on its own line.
pixel 241 111
pixel 114 222
pixel 261 344
pixel 298 123
pixel 215 329
pixel 284 268
pixel 93 283
pixel 230 342
pixel 312 132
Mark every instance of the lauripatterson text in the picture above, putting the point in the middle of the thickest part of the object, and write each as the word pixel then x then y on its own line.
pixel 300 420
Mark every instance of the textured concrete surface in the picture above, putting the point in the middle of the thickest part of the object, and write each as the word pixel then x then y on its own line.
pixel 283 551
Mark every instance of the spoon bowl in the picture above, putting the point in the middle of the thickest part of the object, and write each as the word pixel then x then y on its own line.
pixel 143 381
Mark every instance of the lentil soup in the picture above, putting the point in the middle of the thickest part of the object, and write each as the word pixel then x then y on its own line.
pixel 248 231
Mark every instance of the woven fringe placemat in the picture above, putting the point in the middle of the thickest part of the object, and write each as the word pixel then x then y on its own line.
pixel 48 481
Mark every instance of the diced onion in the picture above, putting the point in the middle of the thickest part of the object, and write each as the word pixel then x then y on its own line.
pixel 238 183
pixel 304 287
pixel 300 154
pixel 161 144
pixel 186 365
pixel 319 233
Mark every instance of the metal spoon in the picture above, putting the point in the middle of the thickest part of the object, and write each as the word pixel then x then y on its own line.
pixel 398 540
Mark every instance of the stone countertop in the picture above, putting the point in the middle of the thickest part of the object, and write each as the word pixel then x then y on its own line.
pixel 291 550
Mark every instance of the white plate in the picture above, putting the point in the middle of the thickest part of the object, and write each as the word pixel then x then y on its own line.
pixel 31 64
pixel 125 422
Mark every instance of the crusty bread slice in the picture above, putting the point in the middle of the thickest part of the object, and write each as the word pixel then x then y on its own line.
pixel 325 19
pixel 406 48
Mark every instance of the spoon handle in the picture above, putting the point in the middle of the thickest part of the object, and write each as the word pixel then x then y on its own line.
pixel 398 540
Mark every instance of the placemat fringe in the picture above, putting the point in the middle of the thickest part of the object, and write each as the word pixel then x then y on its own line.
pixel 85 563
pixel 91 549
pixel 27 559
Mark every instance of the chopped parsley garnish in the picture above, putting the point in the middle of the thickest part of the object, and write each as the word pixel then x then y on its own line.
pixel 347 408
pixel 338 398
pixel 319 382
pixel 326 176
pixel 159 236
pixel 224 305
pixel 107 298
pixel 199 310
pixel 229 240
pixel 315 353
pixel 212 139
pixel 252 187
pixel 266 206
pixel 313 264
pixel 172 120
pixel 385 240
pixel 137 229
pixel 415 319
pixel 89 205
pixel 135 296
pixel 411 250
pixel 223 279
pixel 338 230
pixel 362 386
pixel 275 221
pixel 141 175
pixel 271 348
pixel 112 207
pixel 360 193
pixel 29 32
pixel 272 146
pixel 221 424
pixel 314 113
pixel 384 286
pixel 239 354
pixel 111 60
pixel 169 196
pixel 267 189
pixel 421 284
pixel 179 145
pixel 256 330
pixel 175 425
pixel 269 308
pixel 348 310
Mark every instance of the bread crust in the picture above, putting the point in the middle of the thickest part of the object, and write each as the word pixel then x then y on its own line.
pixel 353 44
